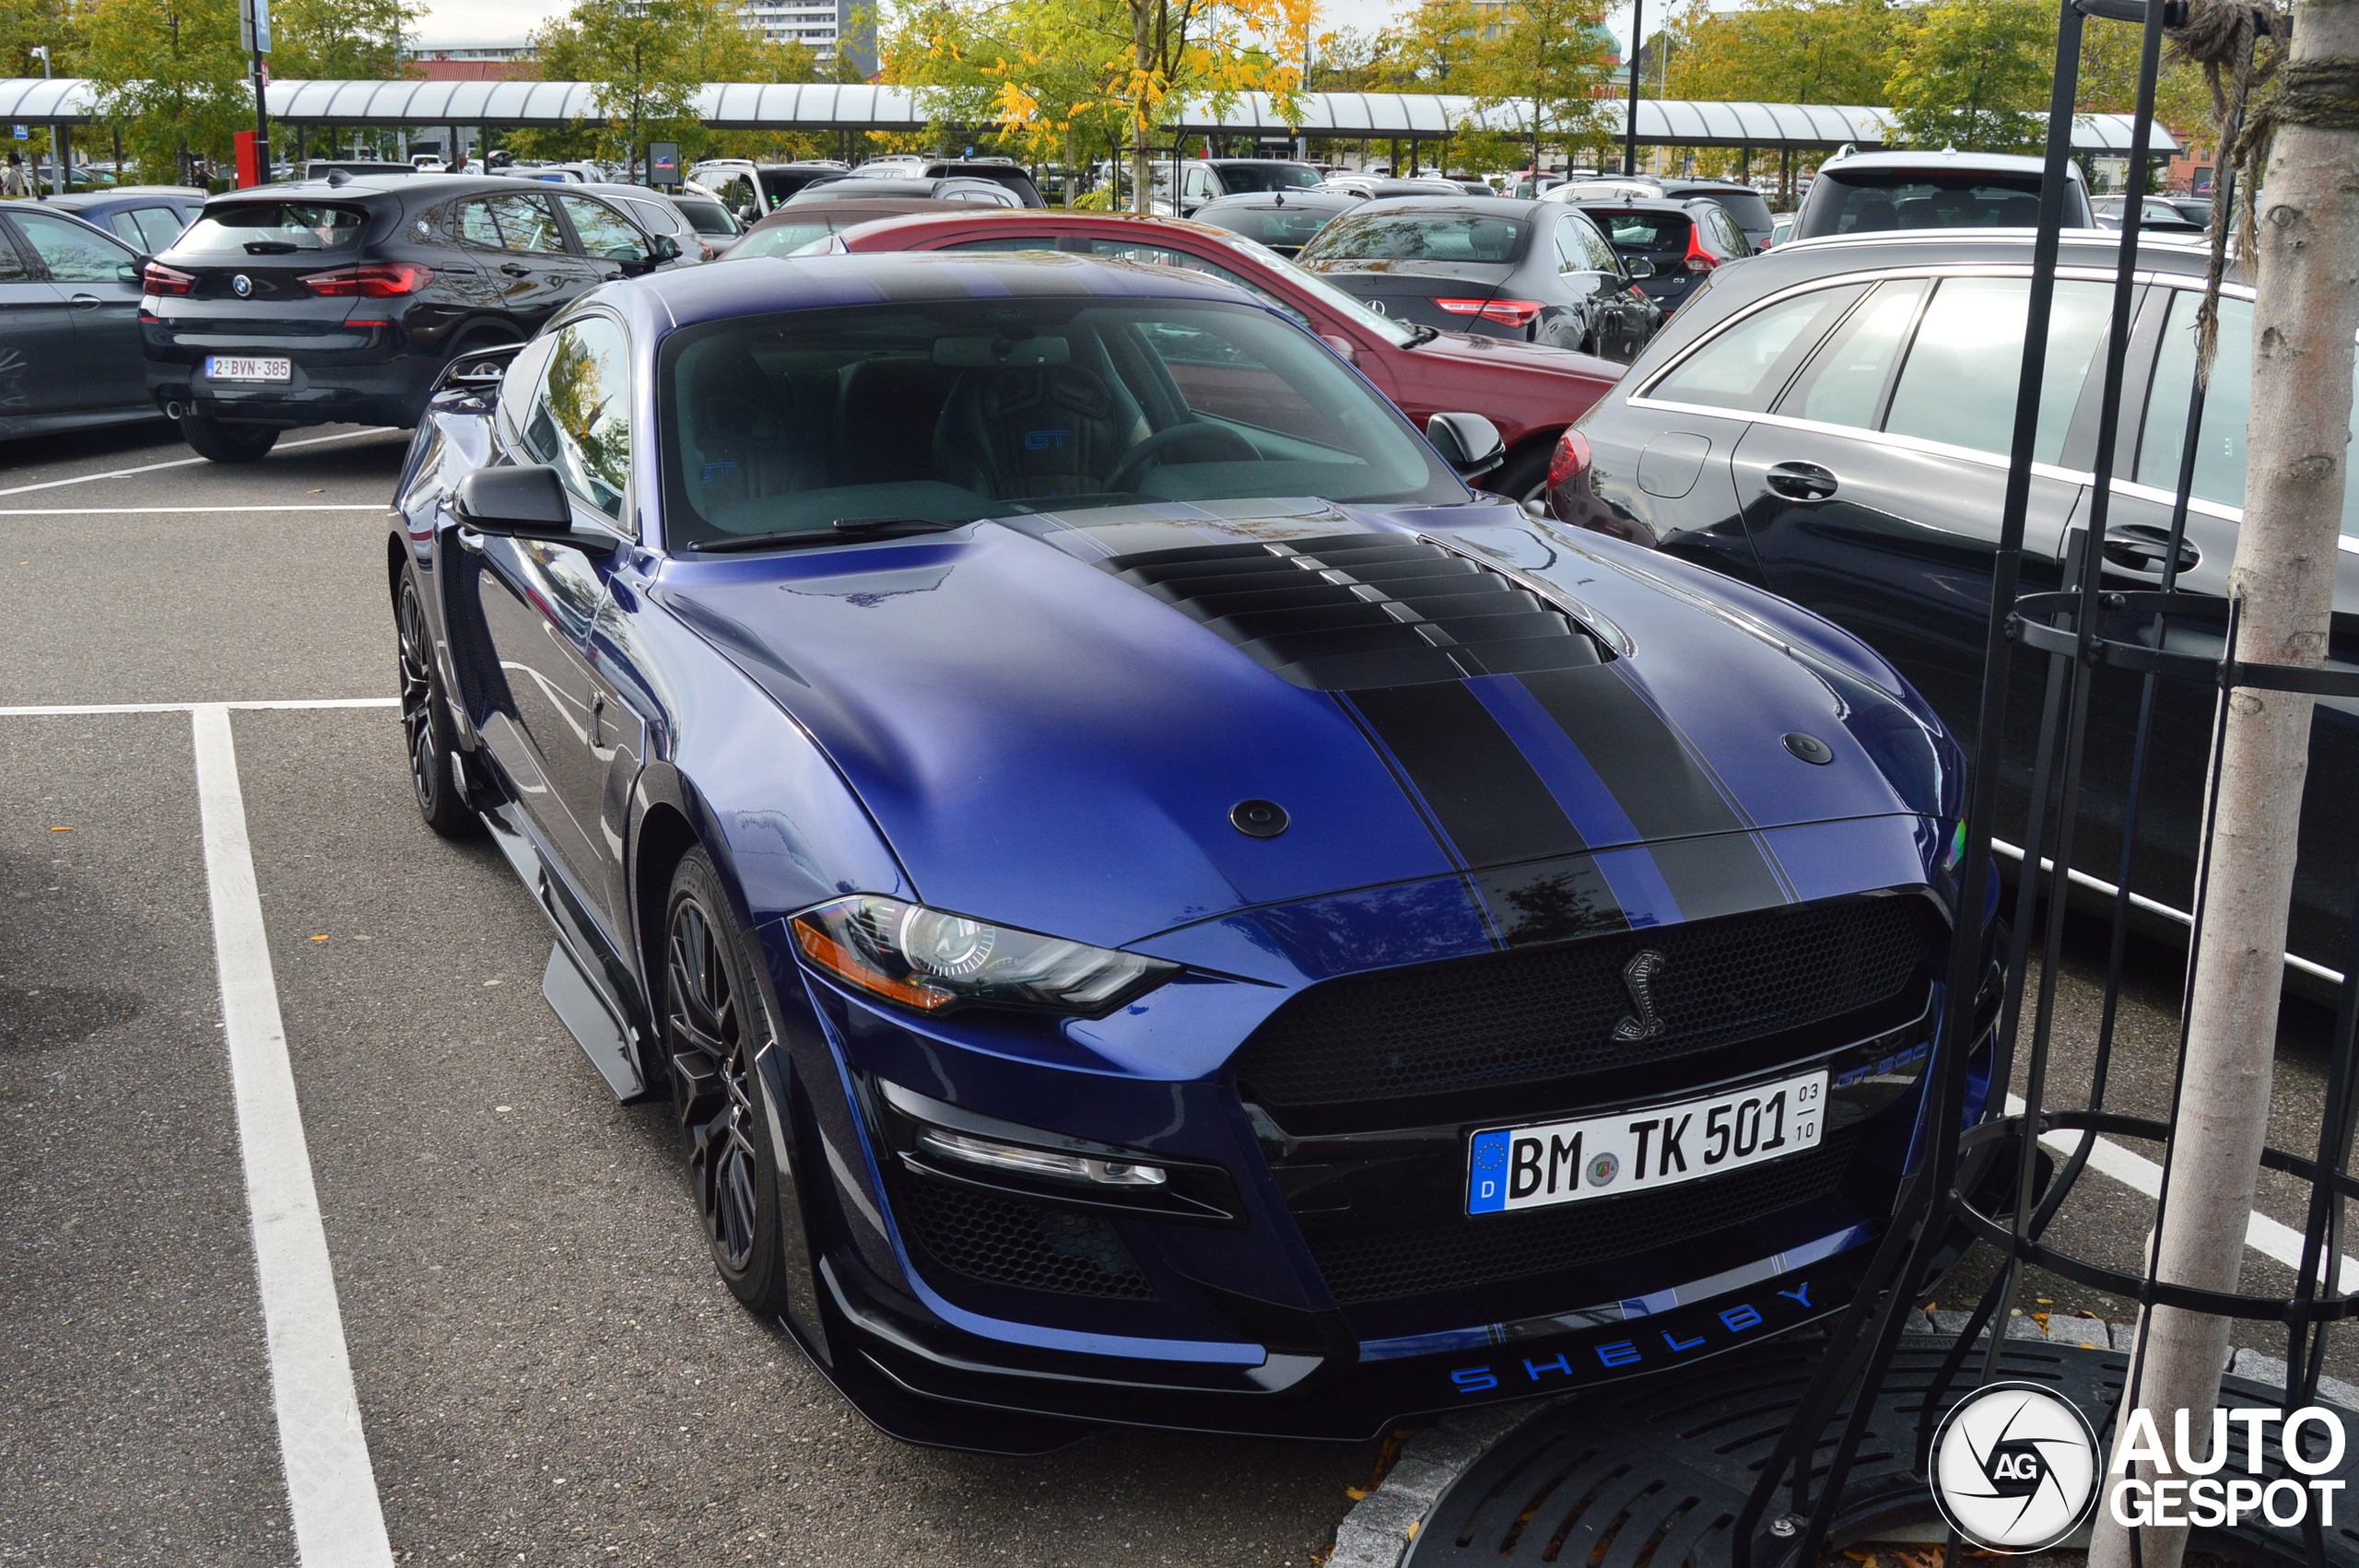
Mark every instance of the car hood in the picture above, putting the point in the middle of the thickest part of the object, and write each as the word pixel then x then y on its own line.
pixel 1048 745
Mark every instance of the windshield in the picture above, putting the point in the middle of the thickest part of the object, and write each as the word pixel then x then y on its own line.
pixel 1236 178
pixel 707 217
pixel 1291 226
pixel 1420 234
pixel 964 409
pixel 780 184
pixel 1641 232
pixel 1749 210
pixel 781 239
pixel 1869 202
pixel 273 228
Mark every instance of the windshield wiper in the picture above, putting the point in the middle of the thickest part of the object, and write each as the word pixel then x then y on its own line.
pixel 1424 335
pixel 842 529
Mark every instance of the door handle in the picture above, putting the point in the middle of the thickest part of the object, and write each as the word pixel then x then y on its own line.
pixel 87 301
pixel 515 269
pixel 2141 547
pixel 1800 481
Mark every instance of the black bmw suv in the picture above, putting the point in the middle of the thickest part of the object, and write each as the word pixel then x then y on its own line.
pixel 342 299
pixel 1831 421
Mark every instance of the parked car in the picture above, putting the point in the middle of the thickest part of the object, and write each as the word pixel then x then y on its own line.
pixel 1832 422
pixel 752 190
pixel 344 299
pixel 1206 179
pixel 800 223
pixel 1151 902
pixel 1873 192
pixel 1538 271
pixel 1528 393
pixel 2157 214
pixel 145 217
pixel 1005 172
pixel 69 324
pixel 1781 227
pixel 1368 187
pixel 712 222
pixel 951 188
pixel 1745 205
pixel 650 212
pixel 1669 245
pixel 1284 220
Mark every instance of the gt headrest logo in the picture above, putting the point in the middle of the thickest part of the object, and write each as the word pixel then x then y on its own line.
pixel 2015 1467
pixel 1045 440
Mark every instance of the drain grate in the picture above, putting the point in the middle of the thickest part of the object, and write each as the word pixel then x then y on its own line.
pixel 1651 1473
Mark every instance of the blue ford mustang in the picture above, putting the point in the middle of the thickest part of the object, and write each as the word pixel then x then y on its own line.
pixel 1151 901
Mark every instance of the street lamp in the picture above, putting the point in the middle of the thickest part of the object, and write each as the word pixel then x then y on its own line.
pixel 1630 132
pixel 56 156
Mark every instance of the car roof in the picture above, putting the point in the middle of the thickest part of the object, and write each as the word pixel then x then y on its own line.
pixel 1060 219
pixel 760 285
pixel 1833 255
pixel 1638 203
pixel 1948 157
pixel 1495 207
pixel 1267 200
pixel 853 207
pixel 437 186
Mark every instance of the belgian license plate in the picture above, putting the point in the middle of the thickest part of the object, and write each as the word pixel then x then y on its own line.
pixel 1565 1162
pixel 246 367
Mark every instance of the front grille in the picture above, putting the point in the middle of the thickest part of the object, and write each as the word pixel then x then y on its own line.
pixel 1008 1242
pixel 1348 611
pixel 1467 1253
pixel 1546 1014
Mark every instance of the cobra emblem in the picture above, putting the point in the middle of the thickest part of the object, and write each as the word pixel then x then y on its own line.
pixel 1639 978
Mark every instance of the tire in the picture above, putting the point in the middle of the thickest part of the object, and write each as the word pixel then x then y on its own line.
pixel 224 442
pixel 427 734
pixel 715 1024
pixel 1524 475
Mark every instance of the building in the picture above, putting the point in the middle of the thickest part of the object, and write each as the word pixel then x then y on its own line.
pixel 826 28
pixel 496 61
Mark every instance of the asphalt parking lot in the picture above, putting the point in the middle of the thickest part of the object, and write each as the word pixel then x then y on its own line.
pixel 544 1368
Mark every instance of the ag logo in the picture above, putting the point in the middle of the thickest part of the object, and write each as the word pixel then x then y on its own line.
pixel 2015 1467
pixel 241 286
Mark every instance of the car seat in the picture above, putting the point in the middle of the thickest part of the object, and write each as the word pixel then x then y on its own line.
pixel 743 439
pixel 886 414
pixel 1872 214
pixel 1028 431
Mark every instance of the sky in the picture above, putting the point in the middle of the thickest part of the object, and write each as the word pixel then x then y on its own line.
pixel 457 19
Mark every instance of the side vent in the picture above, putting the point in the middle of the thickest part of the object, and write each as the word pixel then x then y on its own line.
pixel 1353 610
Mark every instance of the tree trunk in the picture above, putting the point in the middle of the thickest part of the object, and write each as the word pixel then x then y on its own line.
pixel 1070 174
pixel 2297 463
pixel 1142 58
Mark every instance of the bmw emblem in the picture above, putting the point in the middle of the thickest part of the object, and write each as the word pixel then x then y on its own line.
pixel 241 286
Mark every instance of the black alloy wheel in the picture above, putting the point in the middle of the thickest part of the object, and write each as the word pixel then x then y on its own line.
pixel 715 1027
pixel 426 731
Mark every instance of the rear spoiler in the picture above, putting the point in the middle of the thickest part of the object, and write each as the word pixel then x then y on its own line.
pixel 477 369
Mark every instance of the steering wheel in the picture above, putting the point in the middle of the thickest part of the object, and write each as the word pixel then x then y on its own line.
pixel 1128 471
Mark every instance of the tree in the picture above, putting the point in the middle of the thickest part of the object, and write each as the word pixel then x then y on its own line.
pixel 339 38
pixel 170 79
pixel 1784 52
pixel 1203 50
pixel 1542 66
pixel 1970 74
pixel 648 61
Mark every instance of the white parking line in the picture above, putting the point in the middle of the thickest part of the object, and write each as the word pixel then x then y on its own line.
pixel 132 511
pixel 2267 1236
pixel 331 1487
pixel 185 462
pixel 39 712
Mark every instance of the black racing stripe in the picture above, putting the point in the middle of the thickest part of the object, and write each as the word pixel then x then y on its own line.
pixel 1481 788
pixel 1662 788
pixel 1724 874
pixel 1556 900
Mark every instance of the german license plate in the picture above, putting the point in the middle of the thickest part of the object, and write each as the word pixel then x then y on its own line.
pixel 1565 1162
pixel 246 367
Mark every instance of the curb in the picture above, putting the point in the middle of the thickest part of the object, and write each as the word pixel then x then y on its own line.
pixel 1381 1528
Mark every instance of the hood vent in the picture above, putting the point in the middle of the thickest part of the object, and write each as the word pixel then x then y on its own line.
pixel 1348 611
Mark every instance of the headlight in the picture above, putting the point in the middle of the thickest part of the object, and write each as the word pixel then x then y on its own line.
pixel 931 961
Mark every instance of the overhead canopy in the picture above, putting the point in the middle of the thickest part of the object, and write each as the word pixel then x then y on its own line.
pixel 830 106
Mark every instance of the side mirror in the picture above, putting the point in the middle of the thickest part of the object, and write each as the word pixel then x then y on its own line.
pixel 662 248
pixel 749 216
pixel 1639 267
pixel 1342 345
pixel 1468 442
pixel 516 503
